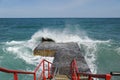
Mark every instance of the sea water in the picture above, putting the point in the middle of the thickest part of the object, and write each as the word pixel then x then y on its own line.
pixel 98 39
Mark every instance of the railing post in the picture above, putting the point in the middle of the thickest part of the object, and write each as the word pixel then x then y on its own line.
pixel 78 76
pixel 90 78
pixel 44 78
pixel 108 77
pixel 15 76
pixel 34 76
pixel 73 76
pixel 49 70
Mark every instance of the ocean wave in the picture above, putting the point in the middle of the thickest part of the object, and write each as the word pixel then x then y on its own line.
pixel 23 49
pixel 89 45
pixel 14 42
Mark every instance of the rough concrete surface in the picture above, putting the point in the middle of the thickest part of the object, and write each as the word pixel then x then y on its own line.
pixel 64 54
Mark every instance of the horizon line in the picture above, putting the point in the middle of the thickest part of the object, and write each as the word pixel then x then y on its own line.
pixel 59 17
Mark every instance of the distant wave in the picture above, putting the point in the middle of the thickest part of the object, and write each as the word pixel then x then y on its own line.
pixel 118 50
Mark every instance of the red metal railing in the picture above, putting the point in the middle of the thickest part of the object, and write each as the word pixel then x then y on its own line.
pixel 42 75
pixel 75 74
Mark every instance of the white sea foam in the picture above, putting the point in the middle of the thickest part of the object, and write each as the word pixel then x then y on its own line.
pixel 89 45
pixel 23 49
pixel 118 50
pixel 14 42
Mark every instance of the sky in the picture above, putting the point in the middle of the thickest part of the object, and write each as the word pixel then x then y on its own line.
pixel 59 8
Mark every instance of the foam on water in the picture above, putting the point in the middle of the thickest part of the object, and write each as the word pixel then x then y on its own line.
pixel 23 49
pixel 118 50
pixel 89 45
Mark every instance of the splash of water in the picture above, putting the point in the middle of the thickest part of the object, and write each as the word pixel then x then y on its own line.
pixel 23 49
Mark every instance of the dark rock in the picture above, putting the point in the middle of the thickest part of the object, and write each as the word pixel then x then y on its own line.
pixel 47 40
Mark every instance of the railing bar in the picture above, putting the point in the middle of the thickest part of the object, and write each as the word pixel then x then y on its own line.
pixel 36 69
pixel 48 61
pixel 14 71
pixel 115 73
pixel 93 75
pixel 75 73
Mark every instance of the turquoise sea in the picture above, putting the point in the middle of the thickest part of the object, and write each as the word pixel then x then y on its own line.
pixel 98 39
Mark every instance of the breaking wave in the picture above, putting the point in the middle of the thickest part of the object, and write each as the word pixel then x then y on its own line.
pixel 24 49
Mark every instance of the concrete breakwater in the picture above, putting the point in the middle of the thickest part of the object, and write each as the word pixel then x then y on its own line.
pixel 64 53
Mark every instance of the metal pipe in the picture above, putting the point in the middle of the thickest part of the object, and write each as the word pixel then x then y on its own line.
pixel 34 76
pixel 15 76
pixel 115 73
pixel 16 72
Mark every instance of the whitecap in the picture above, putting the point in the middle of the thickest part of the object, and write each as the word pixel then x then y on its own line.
pixel 118 50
